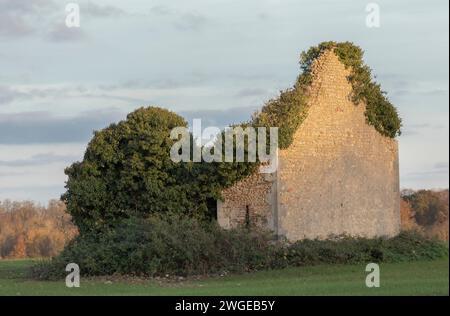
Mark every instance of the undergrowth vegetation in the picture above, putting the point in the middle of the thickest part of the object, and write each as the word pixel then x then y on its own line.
pixel 181 246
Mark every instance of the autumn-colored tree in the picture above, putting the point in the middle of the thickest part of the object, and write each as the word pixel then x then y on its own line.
pixel 430 211
pixel 30 230
pixel 407 216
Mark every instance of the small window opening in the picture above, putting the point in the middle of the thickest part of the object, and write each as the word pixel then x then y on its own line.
pixel 247 216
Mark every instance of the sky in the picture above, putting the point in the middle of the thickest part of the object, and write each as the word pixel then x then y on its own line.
pixel 218 60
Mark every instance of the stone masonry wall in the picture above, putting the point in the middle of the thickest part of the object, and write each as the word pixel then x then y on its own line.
pixel 255 194
pixel 339 176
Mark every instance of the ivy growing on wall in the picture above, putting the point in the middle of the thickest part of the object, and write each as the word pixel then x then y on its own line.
pixel 380 112
pixel 290 108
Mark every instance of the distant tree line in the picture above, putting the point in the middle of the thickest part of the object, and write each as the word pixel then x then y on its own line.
pixel 426 211
pixel 31 230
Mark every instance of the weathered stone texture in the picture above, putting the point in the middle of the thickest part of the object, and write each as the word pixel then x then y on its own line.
pixel 339 176
pixel 254 194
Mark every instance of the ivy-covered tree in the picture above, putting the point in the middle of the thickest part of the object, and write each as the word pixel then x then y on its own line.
pixel 127 171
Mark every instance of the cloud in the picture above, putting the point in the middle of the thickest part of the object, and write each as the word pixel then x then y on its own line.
pixel 251 92
pixel 159 83
pixel 38 160
pixel 62 33
pixel 438 169
pixel 425 174
pixel 11 174
pixel 96 10
pixel 423 92
pixel 416 129
pixel 161 10
pixel 184 21
pixel 8 95
pixel 43 127
pixel 25 6
pixel 12 25
pixel 40 193
pixel 220 118
pixel 18 18
pixel 263 16
pixel 441 166
pixel 190 22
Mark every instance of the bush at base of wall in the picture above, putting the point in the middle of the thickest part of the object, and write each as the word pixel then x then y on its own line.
pixel 174 245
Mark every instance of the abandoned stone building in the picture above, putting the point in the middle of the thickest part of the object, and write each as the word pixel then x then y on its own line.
pixel 339 176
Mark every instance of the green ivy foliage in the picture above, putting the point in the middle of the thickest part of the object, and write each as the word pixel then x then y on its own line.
pixel 127 171
pixel 290 109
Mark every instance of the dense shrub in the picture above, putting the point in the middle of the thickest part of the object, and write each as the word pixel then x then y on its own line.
pixel 158 245
pixel 344 250
pixel 127 168
pixel 174 245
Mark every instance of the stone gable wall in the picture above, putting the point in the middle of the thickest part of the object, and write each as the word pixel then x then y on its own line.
pixel 339 176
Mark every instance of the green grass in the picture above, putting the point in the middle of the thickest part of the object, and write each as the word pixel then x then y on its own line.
pixel 412 278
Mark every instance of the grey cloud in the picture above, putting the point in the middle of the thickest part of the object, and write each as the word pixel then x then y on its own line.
pixel 263 16
pixel 12 173
pixel 220 118
pixel 41 194
pixel 425 174
pixel 251 92
pixel 190 22
pixel 18 17
pixel 38 160
pixel 409 132
pixel 257 76
pixel 438 169
pixel 430 92
pixel 95 10
pixel 161 10
pixel 115 97
pixel 185 21
pixel 441 165
pixel 415 129
pixel 42 127
pixel 25 6
pixel 441 92
pixel 62 33
pixel 12 25
pixel 8 95
pixel 193 78
pixel 168 83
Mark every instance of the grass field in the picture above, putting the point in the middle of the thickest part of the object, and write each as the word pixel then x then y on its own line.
pixel 415 278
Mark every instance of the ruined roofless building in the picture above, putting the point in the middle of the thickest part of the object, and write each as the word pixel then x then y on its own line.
pixel 338 176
